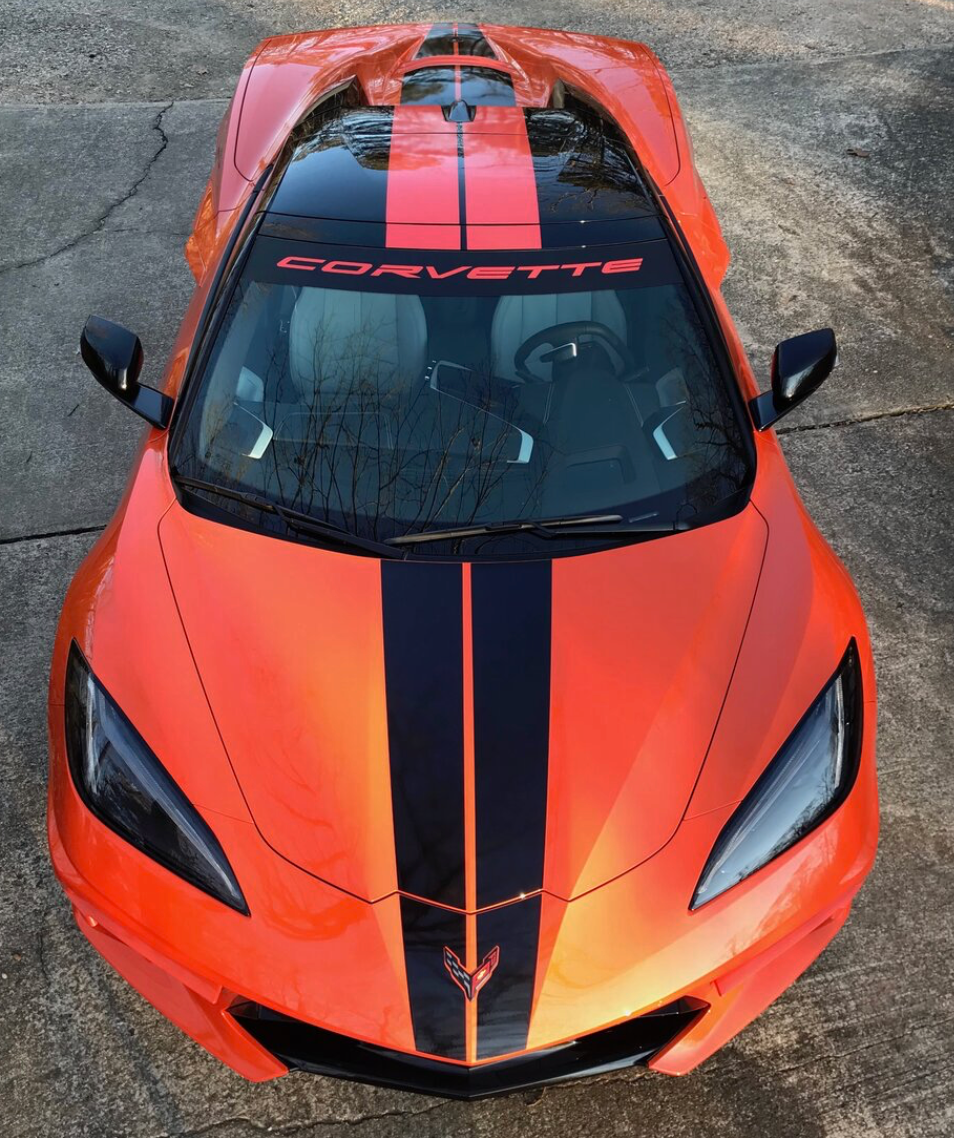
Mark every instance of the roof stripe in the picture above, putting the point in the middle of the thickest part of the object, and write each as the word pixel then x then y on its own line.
pixel 423 197
pixel 502 206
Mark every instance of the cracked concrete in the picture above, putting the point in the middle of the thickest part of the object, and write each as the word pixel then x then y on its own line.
pixel 108 112
pixel 893 413
pixel 100 222
pixel 82 530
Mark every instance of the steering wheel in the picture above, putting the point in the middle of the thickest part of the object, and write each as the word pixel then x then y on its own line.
pixel 564 340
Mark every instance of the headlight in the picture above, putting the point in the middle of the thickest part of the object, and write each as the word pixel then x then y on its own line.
pixel 127 788
pixel 807 780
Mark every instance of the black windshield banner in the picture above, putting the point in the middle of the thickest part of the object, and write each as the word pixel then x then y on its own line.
pixel 462 271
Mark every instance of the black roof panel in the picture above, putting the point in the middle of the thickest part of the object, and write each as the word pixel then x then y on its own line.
pixel 588 187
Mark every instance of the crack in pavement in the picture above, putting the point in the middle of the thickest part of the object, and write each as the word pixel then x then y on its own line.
pixel 53 533
pixel 290 1128
pixel 99 224
pixel 894 413
pixel 813 60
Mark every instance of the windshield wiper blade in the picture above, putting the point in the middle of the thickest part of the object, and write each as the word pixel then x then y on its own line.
pixel 595 525
pixel 294 519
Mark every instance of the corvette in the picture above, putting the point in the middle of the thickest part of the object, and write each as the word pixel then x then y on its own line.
pixel 461 698
pixel 472 272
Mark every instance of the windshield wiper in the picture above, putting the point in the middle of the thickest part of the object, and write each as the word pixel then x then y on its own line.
pixel 597 525
pixel 294 519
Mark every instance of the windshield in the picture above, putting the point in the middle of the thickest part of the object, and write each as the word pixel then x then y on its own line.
pixel 397 391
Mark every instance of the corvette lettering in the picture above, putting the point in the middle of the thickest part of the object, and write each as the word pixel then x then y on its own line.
pixel 472 272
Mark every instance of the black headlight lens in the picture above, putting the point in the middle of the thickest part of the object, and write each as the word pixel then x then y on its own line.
pixel 123 783
pixel 807 780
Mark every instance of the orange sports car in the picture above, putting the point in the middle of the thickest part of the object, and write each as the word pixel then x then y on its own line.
pixel 461 698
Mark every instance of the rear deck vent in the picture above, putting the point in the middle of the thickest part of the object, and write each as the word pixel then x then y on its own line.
pixel 459 111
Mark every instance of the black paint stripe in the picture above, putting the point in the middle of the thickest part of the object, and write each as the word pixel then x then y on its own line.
pixel 504 1004
pixel 511 606
pixel 472 42
pixel 438 1012
pixel 468 39
pixel 438 41
pixel 423 660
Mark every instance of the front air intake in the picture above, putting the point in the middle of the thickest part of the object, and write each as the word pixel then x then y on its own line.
pixel 309 1048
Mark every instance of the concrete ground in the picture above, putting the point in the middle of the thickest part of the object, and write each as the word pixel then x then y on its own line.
pixel 108 110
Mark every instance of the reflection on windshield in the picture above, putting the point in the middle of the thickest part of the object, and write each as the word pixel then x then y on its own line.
pixel 388 413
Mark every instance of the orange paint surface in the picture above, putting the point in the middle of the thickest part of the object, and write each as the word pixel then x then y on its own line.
pixel 270 712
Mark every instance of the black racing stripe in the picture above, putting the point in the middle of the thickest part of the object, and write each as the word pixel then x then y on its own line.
pixel 471 41
pixel 438 41
pixel 423 661
pixel 438 1007
pixel 461 187
pixel 468 39
pixel 511 605
pixel 504 1003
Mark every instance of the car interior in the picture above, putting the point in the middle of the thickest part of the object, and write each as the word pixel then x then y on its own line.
pixel 453 408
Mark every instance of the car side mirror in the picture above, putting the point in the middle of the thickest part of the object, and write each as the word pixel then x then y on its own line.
pixel 799 367
pixel 114 355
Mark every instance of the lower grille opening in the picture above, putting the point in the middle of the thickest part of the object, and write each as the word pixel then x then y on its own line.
pixel 308 1048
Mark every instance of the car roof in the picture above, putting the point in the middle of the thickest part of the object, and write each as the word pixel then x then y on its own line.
pixel 459 162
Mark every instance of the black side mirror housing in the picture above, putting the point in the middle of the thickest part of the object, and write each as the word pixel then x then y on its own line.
pixel 114 355
pixel 799 367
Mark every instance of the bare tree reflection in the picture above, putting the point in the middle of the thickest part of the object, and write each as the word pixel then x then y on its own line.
pixel 359 437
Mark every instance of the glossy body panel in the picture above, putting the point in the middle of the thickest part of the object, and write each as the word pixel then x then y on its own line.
pixel 293 664
pixel 274 682
pixel 804 613
pixel 423 202
pixel 502 207
pixel 624 755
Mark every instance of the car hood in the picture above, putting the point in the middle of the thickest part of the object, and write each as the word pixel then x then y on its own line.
pixel 467 733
